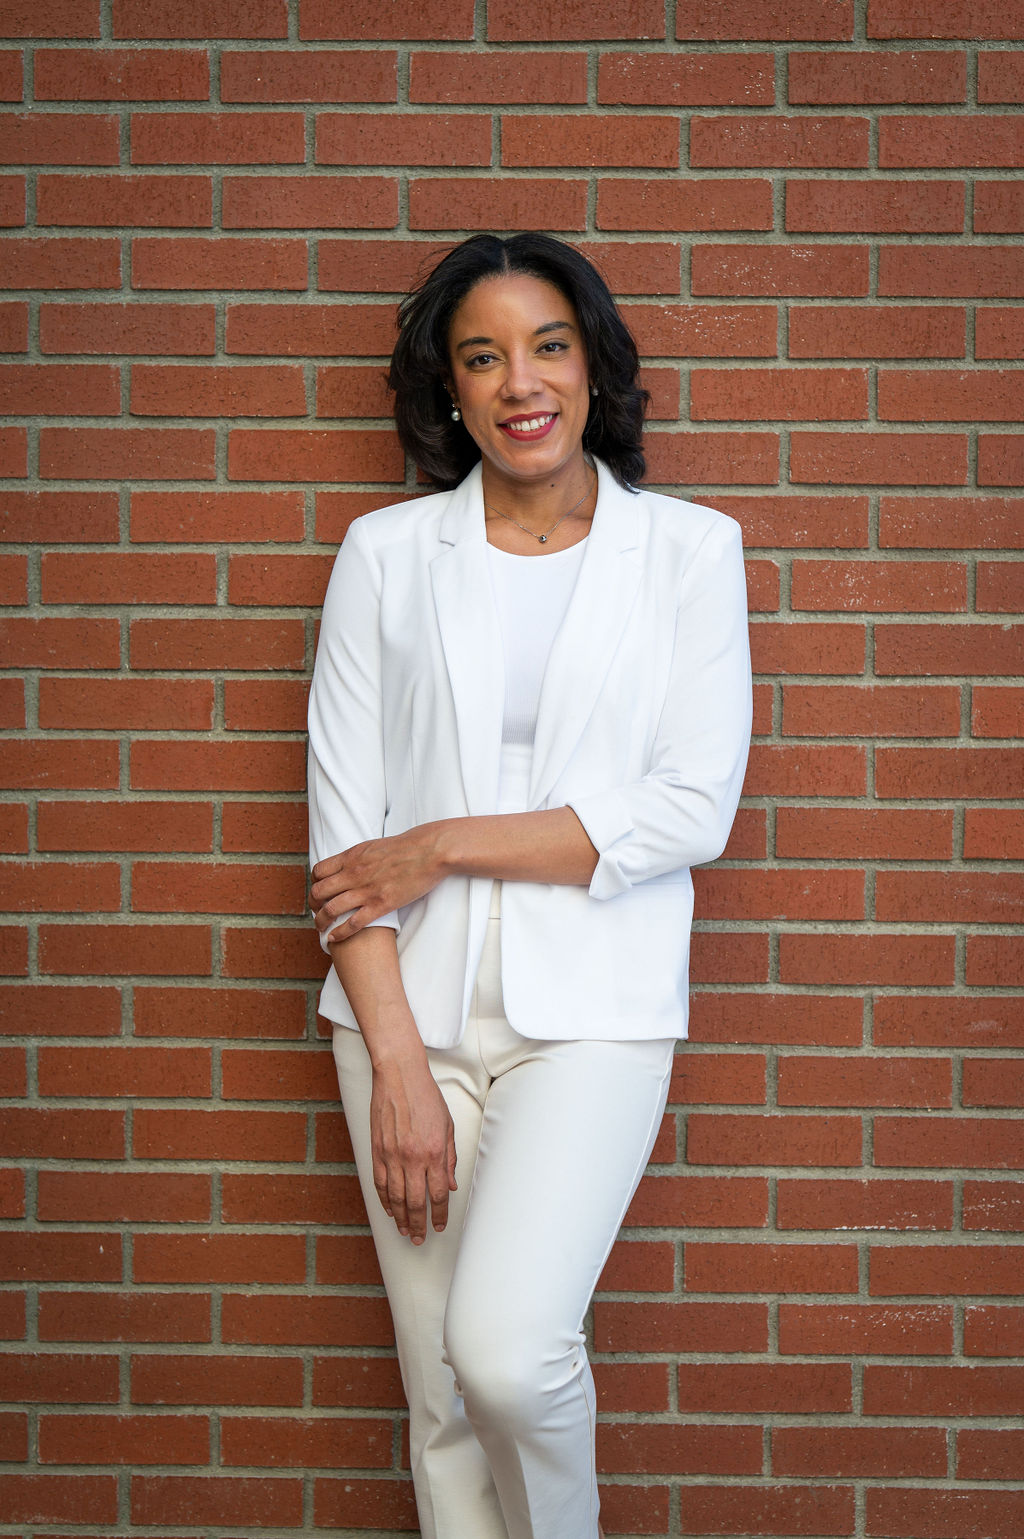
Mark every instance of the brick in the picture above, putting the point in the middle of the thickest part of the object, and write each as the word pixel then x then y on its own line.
pixel 938 1390
pixel 539 140
pixel 126 328
pixel 218 1258
pixel 146 1317
pixel 308 75
pixel 374 266
pixel 218 262
pixel 765 1268
pixel 199 766
pixel 944 1142
pixel 993 1081
pixel 111 1072
pixel 121 74
pixel 127 199
pixel 40 1009
pixel 58 138
pixel 13 1074
pixel 924 140
pixel 12 87
pixel 1000 77
pixel 681 79
pixel 943 395
pixel 336 510
pixel 785 647
pixel 217 138
pixel 13 452
pixel 128 579
pixel 64 1133
pixel 269 952
pixel 909 1021
pixel 13 949
pixel 98 1196
pixel 216 1499
pixel 200 18
pixel 763 1388
pixel 893 459
pixel 949 18
pixel 74 703
pixel 956 649
pixel 798 522
pixel 699 1201
pixel 217 644
pixel 119 453
pixel 76 262
pixel 55 389
pixel 992 1330
pixel 776 1018
pixel 680 1326
pixel 316 330
pixel 211 517
pixel 12 201
pixel 993 835
pixel 309 202
pixel 904 1513
pixel 351 1258
pixel 877 331
pixel 866 1328
pixel 968 896
pixel 59 643
pixel 998 208
pixel 999 587
pixel 805 770
pixel 878 587
pixel 264 705
pixel 868 206
pixel 840 271
pixel 864 1204
pixel 60 887
pixel 513 21
pixel 282 1074
pixel 215 1379
pixel 401 139
pixel 795 21
pixel 14 1436
pixel 374 1381
pixel 972 272
pixel 790 894
pixel 748 1139
pixel 779 141
pixel 810 710
pixel 31 762
pixel 989 1453
pixel 994 961
pixel 302 454
pixel 864 1082
pixel 853 833
pixel 14 327
pixel 639 1449
pixel 218 1135
pixel 216 1012
pixel 309 1199
pixel 858 1452
pixel 790 395
pixel 14 825
pixel 483 203
pixel 838 77
pixel 279 580
pixel 61 1377
pixel 124 1439
pixel 702 458
pixel 530 77
pixel 703 331
pixel 352 390
pixel 897 960
pixel 306 1442
pixel 14 590
pixel 124 949
pixel 403 19
pixel 294 1319
pixel 163 887
pixel 227 390
pixel 59 1498
pixel 956 523
pixel 349 1502
pixel 1000 459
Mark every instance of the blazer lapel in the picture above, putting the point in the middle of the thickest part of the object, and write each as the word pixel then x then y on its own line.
pixel 582 653
pixel 471 637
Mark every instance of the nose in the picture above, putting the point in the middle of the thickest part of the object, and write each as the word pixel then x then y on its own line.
pixel 521 377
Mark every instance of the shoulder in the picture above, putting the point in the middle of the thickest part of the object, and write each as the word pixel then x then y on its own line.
pixel 399 521
pixel 686 525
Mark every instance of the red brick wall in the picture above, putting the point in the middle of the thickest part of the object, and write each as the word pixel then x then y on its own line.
pixel 812 212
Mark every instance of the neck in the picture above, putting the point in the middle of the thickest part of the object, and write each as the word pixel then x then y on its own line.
pixel 537 504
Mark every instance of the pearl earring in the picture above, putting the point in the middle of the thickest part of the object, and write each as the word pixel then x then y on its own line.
pixel 593 390
pixel 456 414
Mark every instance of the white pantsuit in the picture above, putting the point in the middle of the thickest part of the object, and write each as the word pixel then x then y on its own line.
pixel 549 1029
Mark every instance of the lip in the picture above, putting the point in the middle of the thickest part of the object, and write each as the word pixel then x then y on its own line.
pixel 514 427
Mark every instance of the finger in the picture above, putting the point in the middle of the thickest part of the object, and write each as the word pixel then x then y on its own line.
pixel 327 867
pixel 336 908
pixel 438 1189
pixel 380 1182
pixel 396 1200
pixel 416 1208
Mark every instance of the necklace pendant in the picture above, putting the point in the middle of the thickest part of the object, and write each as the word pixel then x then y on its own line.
pixel 543 539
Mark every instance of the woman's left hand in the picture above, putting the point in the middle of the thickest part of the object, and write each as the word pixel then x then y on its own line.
pixel 372 878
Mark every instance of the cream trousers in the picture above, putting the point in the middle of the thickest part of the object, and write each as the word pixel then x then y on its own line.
pixel 551 1139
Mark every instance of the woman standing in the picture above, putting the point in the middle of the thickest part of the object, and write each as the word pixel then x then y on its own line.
pixel 529 718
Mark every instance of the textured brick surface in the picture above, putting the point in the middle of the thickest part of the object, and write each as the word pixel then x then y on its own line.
pixel 812 211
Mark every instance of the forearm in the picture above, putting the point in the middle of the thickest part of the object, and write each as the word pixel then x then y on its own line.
pixel 550 846
pixel 367 966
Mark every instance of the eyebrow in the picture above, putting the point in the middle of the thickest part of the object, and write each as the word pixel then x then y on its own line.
pixel 540 332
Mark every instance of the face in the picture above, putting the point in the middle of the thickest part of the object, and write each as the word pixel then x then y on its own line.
pixel 519 376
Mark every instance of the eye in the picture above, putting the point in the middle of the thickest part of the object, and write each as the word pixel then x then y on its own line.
pixel 479 360
pixel 554 346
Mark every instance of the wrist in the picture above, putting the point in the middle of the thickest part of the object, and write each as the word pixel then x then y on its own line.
pixel 447 846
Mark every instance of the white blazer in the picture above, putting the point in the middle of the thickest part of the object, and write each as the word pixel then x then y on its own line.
pixel 643 729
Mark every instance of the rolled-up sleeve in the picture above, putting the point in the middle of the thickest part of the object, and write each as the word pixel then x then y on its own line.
pixel 346 767
pixel 680 812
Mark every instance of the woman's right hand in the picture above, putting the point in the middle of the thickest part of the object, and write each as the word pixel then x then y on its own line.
pixel 413 1143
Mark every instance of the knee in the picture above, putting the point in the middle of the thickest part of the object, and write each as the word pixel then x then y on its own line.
pixel 504 1380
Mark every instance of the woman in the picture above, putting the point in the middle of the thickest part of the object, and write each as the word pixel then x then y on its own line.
pixel 529 718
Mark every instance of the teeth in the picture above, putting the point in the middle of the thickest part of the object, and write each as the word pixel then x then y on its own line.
pixel 531 425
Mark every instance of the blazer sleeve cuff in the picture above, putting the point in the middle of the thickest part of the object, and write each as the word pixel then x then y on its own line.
pixel 608 825
pixel 390 921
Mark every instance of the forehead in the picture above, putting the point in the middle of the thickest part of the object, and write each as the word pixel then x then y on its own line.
pixel 516 300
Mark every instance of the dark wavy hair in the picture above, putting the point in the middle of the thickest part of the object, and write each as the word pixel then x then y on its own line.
pixel 420 367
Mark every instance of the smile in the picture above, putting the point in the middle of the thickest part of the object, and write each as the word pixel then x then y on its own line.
pixel 529 427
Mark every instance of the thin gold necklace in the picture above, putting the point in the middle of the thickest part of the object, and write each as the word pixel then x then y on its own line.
pixel 542 539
